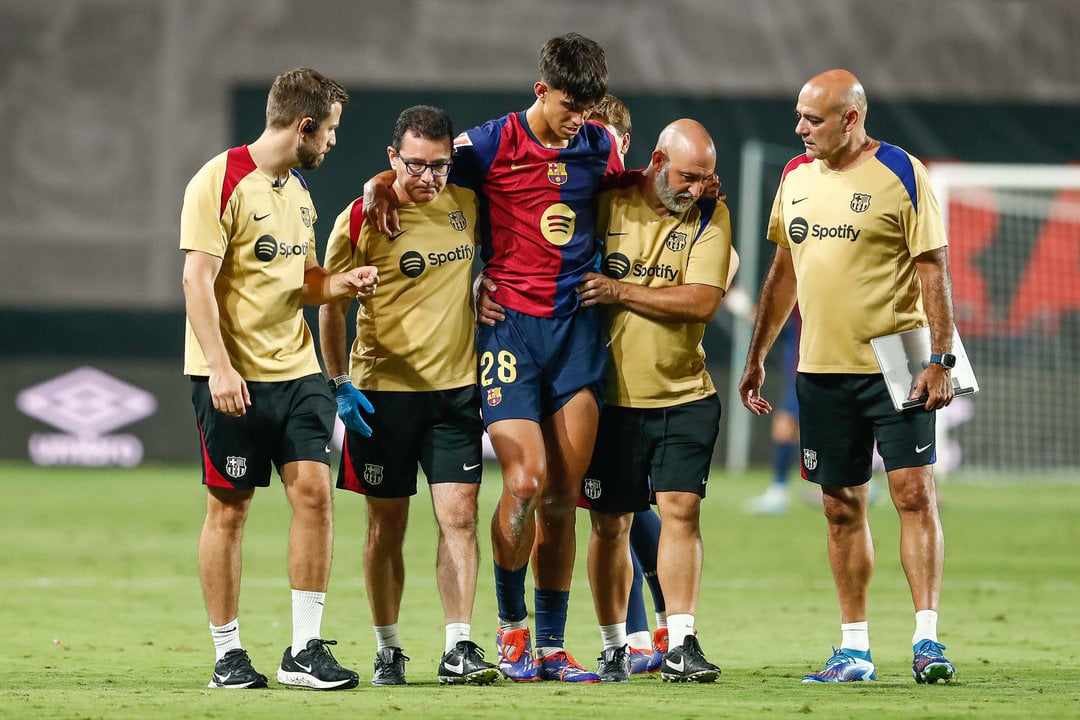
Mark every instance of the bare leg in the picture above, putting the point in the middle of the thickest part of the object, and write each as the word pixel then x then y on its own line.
pixel 311 535
pixel 220 553
pixel 384 566
pixel 851 549
pixel 679 556
pixel 519 446
pixel 922 542
pixel 610 569
pixel 459 554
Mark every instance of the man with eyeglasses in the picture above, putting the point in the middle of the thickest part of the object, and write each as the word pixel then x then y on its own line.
pixel 415 360
pixel 541 369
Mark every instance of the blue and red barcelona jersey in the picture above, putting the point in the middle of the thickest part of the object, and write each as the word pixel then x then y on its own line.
pixel 538 211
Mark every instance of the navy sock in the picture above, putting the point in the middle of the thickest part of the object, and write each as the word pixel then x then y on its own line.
pixel 637 620
pixel 551 617
pixel 645 539
pixel 510 593
pixel 782 457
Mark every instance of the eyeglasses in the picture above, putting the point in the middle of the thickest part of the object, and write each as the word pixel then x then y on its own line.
pixel 417 168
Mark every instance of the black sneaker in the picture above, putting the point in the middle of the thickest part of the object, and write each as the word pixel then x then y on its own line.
pixel 234 672
pixel 315 667
pixel 614 664
pixel 465 664
pixel 389 667
pixel 687 663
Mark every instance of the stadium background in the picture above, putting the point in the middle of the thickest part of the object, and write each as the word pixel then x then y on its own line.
pixel 111 106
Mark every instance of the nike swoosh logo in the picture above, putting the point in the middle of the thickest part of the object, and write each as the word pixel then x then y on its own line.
pixel 222 678
pixel 466 467
pixel 796 201
pixel 677 667
pixel 526 165
pixel 305 668
pixel 259 217
pixel 395 237
pixel 617 233
pixel 459 667
pixel 920 449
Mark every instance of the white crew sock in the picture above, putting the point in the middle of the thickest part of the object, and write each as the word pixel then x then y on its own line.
pixel 455 633
pixel 307 610
pixel 925 626
pixel 613 635
pixel 642 640
pixel 386 636
pixel 226 637
pixel 680 625
pixel 855 636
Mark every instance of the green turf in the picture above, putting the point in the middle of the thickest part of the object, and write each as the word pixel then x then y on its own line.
pixel 102 616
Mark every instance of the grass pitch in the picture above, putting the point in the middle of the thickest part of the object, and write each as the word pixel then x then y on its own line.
pixel 102 614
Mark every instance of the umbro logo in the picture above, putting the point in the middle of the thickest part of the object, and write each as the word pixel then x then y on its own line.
pixel 257 217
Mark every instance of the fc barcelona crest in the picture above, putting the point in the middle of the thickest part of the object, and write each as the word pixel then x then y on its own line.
pixel 305 215
pixel 592 488
pixel 494 396
pixel 860 202
pixel 676 241
pixel 557 174
pixel 373 474
pixel 809 459
pixel 236 467
pixel 458 221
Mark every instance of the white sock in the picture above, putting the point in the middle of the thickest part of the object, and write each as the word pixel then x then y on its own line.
pixel 925 626
pixel 613 635
pixel 855 636
pixel 386 636
pixel 680 625
pixel 455 633
pixel 307 610
pixel 661 620
pixel 641 640
pixel 514 625
pixel 226 637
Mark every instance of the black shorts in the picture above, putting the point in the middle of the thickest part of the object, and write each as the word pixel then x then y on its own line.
pixel 652 449
pixel 286 422
pixel 840 417
pixel 441 430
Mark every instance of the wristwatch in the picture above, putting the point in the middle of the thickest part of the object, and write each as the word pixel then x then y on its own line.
pixel 340 380
pixel 946 360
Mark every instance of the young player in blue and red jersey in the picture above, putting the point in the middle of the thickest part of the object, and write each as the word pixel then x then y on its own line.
pixel 536 173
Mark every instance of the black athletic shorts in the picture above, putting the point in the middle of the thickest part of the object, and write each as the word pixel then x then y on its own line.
pixel 287 421
pixel 440 430
pixel 841 416
pixel 658 449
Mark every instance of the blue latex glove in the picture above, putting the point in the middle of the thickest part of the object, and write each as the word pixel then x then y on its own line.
pixel 350 402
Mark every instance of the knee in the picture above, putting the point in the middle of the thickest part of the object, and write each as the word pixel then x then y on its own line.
pixel 611 527
pixel 914 497
pixel 523 488
pixel 386 526
pixel 842 506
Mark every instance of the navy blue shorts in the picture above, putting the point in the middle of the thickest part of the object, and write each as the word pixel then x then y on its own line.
pixel 286 422
pixel 840 417
pixel 641 451
pixel 440 430
pixel 529 367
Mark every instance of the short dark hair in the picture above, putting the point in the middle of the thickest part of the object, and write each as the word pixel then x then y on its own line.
pixel 300 93
pixel 427 121
pixel 612 111
pixel 575 65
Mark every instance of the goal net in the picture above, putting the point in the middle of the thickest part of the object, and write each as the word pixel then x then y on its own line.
pixel 1014 251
